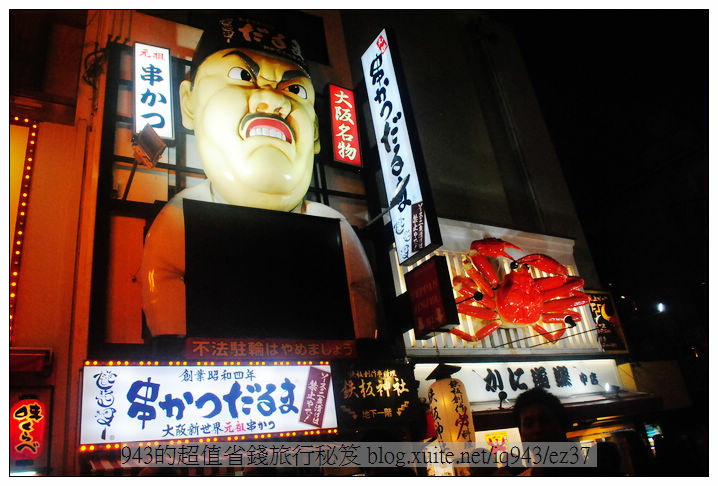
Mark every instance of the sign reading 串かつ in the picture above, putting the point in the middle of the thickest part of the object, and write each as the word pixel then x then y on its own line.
pixel 135 403
pixel 153 90
pixel 409 219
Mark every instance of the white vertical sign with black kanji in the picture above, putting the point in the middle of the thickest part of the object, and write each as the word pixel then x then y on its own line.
pixel 411 230
pixel 153 90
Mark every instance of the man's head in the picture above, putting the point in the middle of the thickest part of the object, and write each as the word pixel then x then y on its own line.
pixel 252 112
pixel 540 416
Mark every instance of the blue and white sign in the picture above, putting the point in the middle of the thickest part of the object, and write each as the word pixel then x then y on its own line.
pixel 139 403
pixel 153 90
pixel 411 230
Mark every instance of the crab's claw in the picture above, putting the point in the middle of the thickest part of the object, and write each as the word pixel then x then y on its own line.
pixel 493 247
pixel 467 289
pixel 544 263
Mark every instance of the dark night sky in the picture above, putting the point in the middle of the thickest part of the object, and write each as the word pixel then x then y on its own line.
pixel 625 98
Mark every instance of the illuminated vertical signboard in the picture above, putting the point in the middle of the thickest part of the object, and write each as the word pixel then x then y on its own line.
pixel 416 231
pixel 153 90
pixel 345 136
pixel 27 429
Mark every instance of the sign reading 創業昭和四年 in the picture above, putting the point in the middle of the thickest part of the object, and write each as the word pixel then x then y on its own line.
pixel 137 403
pixel 414 222
pixel 153 90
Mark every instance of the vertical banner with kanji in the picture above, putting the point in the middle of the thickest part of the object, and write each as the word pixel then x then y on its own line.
pixel 431 296
pixel 608 325
pixel 153 90
pixel 30 429
pixel 345 136
pixel 413 219
pixel 27 429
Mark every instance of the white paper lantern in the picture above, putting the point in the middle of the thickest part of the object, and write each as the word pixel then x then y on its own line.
pixel 451 411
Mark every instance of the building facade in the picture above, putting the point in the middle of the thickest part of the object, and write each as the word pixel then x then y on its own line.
pixel 75 296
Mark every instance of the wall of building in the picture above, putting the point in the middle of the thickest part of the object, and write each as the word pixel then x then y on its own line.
pixel 53 303
pixel 470 167
pixel 488 154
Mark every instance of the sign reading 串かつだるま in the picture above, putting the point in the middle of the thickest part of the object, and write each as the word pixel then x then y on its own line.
pixel 136 403
pixel 153 90
pixel 411 230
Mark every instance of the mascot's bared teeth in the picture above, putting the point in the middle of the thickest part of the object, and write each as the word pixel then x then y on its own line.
pixel 268 126
pixel 267 132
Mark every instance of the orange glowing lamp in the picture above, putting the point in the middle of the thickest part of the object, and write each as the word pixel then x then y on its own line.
pixel 27 429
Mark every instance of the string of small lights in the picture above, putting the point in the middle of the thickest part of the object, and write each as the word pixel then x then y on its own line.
pixel 231 438
pixel 24 200
pixel 201 363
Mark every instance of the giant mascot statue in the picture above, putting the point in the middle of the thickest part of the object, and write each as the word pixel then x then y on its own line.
pixel 250 102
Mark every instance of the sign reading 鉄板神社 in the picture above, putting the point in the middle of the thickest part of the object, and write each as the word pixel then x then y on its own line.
pixel 345 136
pixel 153 90
pixel 137 403
pixel 412 231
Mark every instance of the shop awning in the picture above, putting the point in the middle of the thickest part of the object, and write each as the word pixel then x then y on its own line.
pixel 627 404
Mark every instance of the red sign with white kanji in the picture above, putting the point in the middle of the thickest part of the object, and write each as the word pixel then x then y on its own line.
pixel 345 136
pixel 27 429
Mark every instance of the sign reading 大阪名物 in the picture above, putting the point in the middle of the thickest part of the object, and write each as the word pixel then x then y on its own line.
pixel 153 90
pixel 138 403
pixel 414 233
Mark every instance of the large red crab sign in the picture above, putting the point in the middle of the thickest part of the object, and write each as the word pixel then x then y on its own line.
pixel 519 300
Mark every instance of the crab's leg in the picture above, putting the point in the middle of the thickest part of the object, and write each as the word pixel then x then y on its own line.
pixel 572 284
pixel 467 289
pixel 559 317
pixel 480 334
pixel 493 247
pixel 464 286
pixel 561 305
pixel 478 279
pixel 548 283
pixel 486 330
pixel 544 263
pixel 476 311
pixel 568 319
pixel 461 334
pixel 547 335
pixel 482 265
